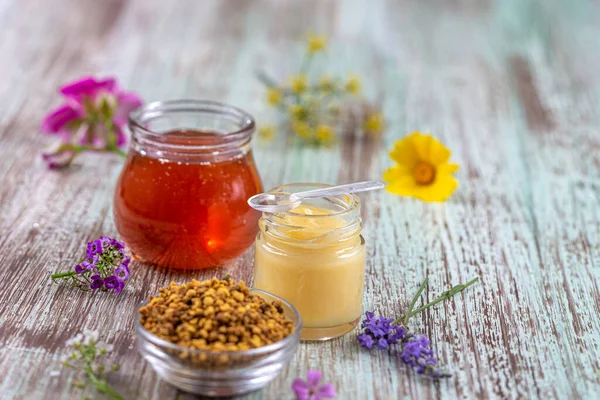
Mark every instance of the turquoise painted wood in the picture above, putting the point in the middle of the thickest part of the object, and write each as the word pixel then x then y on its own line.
pixel 512 87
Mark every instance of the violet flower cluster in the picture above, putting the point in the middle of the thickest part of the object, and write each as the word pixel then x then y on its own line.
pixel 104 267
pixel 379 332
pixel 92 118
pixel 417 354
pixel 414 350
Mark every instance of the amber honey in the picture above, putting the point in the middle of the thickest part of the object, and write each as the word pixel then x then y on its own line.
pixel 187 209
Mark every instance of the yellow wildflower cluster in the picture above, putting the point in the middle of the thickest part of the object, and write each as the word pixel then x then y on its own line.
pixel 274 96
pixel 373 124
pixel 299 84
pixel 315 43
pixel 313 108
pixel 353 84
pixel 267 132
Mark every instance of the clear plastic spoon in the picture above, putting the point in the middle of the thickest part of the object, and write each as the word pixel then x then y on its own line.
pixel 281 202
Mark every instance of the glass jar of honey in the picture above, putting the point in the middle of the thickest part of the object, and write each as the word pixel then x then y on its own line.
pixel 180 201
pixel 314 257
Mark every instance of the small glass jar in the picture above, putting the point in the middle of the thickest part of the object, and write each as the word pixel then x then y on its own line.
pixel 314 257
pixel 181 198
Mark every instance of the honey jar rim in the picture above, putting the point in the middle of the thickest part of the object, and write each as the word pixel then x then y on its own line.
pixel 238 136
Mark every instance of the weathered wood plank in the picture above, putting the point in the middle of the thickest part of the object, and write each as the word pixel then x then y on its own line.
pixel 511 86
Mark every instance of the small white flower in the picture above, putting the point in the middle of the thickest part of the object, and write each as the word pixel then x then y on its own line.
pixel 104 348
pixel 64 358
pixel 98 367
pixel 54 374
pixel 75 340
pixel 90 337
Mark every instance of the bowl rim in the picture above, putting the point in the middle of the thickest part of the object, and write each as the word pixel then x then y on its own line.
pixel 281 344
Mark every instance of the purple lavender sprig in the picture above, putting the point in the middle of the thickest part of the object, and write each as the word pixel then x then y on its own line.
pixel 415 350
pixel 104 267
pixel 379 332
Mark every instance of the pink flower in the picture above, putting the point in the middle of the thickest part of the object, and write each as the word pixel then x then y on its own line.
pixel 60 156
pixel 93 115
pixel 310 389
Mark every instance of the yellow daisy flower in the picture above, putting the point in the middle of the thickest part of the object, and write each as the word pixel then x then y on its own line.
pixel 299 83
pixel 299 112
pixel 267 132
pixel 324 134
pixel 374 123
pixel 422 170
pixel 274 96
pixel 302 130
pixel 315 43
pixel 326 84
pixel 352 85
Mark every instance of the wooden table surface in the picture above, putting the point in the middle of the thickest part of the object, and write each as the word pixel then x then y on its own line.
pixel 512 87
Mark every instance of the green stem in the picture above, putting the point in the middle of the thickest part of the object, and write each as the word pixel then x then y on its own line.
pixel 266 79
pixel 120 152
pixel 305 65
pixel 102 385
pixel 444 296
pixel 413 302
pixel 63 275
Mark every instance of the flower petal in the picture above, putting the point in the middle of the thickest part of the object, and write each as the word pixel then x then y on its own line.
pixel 327 391
pixel 301 388
pixel 405 153
pixel 60 156
pixel 440 190
pixel 420 144
pixel 437 153
pixel 88 86
pixel 398 172
pixel 58 118
pixel 313 377
pixel 419 147
pixel 127 102
pixel 446 169
pixel 121 137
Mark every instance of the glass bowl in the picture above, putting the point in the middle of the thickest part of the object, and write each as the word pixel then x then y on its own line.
pixel 219 373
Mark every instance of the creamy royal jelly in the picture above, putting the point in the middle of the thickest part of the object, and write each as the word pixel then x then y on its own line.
pixel 314 257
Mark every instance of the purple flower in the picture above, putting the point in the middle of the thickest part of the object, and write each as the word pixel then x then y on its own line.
pixel 105 241
pixel 94 114
pixel 105 266
pixel 59 156
pixel 122 273
pixel 417 353
pixel 365 340
pixel 112 282
pixel 116 244
pixel 89 263
pixel 379 331
pixel 93 248
pixel 97 282
pixel 311 388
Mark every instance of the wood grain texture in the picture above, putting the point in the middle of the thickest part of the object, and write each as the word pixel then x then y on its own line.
pixel 511 86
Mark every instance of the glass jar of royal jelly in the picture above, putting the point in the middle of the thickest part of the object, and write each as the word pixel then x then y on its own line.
pixel 181 198
pixel 314 257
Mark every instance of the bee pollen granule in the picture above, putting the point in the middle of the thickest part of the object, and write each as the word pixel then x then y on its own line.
pixel 218 315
